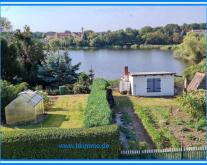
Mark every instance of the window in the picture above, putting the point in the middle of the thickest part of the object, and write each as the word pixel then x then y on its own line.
pixel 153 85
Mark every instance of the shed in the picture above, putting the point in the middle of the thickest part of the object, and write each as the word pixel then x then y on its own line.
pixel 149 83
pixel 28 106
pixel 198 82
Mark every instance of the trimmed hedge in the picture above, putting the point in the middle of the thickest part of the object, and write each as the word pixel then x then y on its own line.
pixel 46 143
pixel 98 111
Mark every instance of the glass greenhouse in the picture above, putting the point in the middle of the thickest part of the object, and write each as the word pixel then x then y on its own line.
pixel 26 107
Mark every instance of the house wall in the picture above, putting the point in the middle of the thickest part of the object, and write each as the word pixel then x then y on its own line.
pixel 139 85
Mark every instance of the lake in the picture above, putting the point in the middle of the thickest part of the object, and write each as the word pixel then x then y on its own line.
pixel 109 63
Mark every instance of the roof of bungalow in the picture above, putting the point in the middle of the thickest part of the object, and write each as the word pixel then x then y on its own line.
pixel 150 73
pixel 196 81
pixel 31 97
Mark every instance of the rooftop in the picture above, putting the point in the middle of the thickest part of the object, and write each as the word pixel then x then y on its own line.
pixel 150 73
pixel 31 97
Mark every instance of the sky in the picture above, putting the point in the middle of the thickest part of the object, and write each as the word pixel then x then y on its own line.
pixel 100 18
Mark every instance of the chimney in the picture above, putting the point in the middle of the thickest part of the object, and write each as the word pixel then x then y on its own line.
pixel 126 73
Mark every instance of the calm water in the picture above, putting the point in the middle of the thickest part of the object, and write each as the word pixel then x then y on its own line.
pixel 110 64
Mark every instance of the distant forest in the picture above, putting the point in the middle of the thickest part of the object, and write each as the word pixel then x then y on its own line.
pixel 163 35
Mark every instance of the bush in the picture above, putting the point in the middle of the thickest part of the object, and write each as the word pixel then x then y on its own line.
pixel 114 83
pixel 142 145
pixel 82 86
pixel 133 145
pixel 51 143
pixel 190 71
pixel 200 124
pixel 194 103
pixel 52 92
pixel 69 89
pixel 134 46
pixel 98 111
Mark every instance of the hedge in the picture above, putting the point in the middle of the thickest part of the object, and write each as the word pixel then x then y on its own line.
pixel 52 143
pixel 98 110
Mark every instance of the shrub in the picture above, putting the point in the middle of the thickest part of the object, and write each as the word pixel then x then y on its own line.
pixel 69 89
pixel 133 145
pixel 190 71
pixel 200 124
pixel 82 86
pixel 52 92
pixel 114 83
pixel 8 93
pixel 51 143
pixel 194 103
pixel 134 46
pixel 142 145
pixel 98 111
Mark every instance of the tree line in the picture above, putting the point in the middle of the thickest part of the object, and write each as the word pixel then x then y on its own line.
pixel 163 35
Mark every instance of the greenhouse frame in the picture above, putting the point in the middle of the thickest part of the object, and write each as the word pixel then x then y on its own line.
pixel 28 106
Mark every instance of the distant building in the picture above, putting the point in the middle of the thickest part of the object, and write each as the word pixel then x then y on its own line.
pixel 51 35
pixel 148 83
pixel 54 35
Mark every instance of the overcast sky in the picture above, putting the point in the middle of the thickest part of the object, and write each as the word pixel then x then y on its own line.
pixel 100 18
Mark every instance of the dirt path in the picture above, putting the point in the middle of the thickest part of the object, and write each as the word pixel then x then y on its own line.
pixel 139 129
pixel 136 126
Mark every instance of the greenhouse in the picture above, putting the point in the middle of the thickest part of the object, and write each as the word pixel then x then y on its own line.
pixel 28 106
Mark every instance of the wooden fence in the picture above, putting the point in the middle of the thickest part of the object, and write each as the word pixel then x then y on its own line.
pixel 184 153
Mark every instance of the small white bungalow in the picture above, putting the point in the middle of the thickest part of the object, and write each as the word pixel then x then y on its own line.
pixel 148 83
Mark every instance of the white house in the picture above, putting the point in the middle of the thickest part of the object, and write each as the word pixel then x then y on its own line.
pixel 148 83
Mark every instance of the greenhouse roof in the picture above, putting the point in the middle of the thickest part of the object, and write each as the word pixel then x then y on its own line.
pixel 31 97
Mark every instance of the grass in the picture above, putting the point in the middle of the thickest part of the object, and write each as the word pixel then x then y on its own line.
pixel 66 112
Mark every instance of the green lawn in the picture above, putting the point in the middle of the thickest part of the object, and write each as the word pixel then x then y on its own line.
pixel 66 112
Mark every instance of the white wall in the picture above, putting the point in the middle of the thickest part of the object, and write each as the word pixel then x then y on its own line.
pixel 139 85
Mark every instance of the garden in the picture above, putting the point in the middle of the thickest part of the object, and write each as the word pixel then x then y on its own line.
pixel 71 120
pixel 159 122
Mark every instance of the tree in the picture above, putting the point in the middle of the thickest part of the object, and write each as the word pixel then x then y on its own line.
pixel 193 48
pixel 176 38
pixel 83 84
pixel 91 75
pixel 170 29
pixel 10 65
pixel 5 25
pixel 156 38
pixel 57 70
pixel 54 45
pixel 30 54
pixel 8 93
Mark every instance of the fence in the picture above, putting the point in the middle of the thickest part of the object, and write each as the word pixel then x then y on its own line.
pixel 184 153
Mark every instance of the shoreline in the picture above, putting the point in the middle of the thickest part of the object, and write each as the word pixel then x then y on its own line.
pixel 132 47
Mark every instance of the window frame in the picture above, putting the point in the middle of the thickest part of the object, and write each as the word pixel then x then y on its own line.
pixel 153 81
